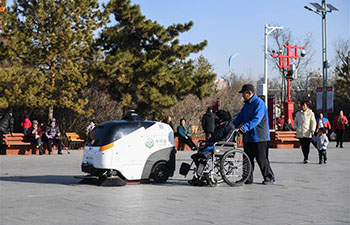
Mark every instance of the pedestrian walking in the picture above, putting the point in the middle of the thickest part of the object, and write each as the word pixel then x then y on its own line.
pixel 208 123
pixel 252 122
pixel 322 122
pixel 339 123
pixel 321 142
pixel 305 124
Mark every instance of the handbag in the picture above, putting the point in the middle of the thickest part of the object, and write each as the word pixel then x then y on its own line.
pixel 333 136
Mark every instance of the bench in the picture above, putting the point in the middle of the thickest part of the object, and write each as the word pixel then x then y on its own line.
pixel 18 144
pixel 284 139
pixel 75 140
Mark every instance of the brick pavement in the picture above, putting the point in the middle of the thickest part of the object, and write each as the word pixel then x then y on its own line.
pixel 41 190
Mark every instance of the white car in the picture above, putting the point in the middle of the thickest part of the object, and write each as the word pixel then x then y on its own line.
pixel 130 150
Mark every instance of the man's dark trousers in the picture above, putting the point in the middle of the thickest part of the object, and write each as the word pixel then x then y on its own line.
pixel 259 151
pixel 57 141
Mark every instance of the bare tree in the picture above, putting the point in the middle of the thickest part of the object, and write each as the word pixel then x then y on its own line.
pixel 282 37
pixel 342 78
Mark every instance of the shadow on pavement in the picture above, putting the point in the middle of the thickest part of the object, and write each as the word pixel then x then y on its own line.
pixel 279 162
pixel 47 179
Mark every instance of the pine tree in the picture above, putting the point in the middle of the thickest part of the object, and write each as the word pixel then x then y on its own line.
pixel 146 67
pixel 47 46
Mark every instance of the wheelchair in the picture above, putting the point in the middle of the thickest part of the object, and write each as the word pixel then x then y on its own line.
pixel 222 162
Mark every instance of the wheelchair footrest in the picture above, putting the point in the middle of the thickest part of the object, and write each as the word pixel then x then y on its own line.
pixel 184 169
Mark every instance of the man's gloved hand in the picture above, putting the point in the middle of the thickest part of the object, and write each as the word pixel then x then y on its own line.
pixel 240 130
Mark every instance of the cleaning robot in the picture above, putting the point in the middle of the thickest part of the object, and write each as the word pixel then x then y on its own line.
pixel 131 149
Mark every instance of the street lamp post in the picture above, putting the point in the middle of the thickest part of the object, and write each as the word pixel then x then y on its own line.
pixel 286 64
pixel 268 30
pixel 322 11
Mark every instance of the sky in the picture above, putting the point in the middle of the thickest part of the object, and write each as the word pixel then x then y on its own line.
pixel 232 26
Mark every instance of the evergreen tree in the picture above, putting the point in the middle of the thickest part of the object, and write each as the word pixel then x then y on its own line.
pixel 47 46
pixel 146 67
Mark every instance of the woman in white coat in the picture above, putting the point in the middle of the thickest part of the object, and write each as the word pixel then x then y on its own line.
pixel 305 124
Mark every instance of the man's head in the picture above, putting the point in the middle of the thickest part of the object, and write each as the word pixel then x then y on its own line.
pixel 304 105
pixel 282 116
pixel 321 115
pixel 10 112
pixel 247 91
pixel 53 121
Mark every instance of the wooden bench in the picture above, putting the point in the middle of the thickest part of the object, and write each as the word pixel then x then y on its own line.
pixel 284 139
pixel 75 140
pixel 18 144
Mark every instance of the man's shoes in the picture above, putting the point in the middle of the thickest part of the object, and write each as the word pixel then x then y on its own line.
pixel 248 182
pixel 341 146
pixel 306 161
pixel 320 162
pixel 49 153
pixel 269 182
pixel 337 145
pixel 59 153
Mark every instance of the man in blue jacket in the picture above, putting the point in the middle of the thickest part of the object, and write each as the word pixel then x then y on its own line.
pixel 253 122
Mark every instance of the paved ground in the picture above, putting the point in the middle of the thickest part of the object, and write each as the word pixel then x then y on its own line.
pixel 41 190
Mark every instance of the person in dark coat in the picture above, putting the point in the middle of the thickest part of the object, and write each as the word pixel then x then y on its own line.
pixel 53 133
pixel 168 121
pixel 208 123
pixel 223 133
pixel 288 126
pixel 224 129
pixel 7 123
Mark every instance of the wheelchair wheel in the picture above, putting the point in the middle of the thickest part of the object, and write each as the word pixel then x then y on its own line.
pixel 217 171
pixel 235 167
pixel 211 180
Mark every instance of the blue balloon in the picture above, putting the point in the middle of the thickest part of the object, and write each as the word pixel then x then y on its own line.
pixel 232 57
